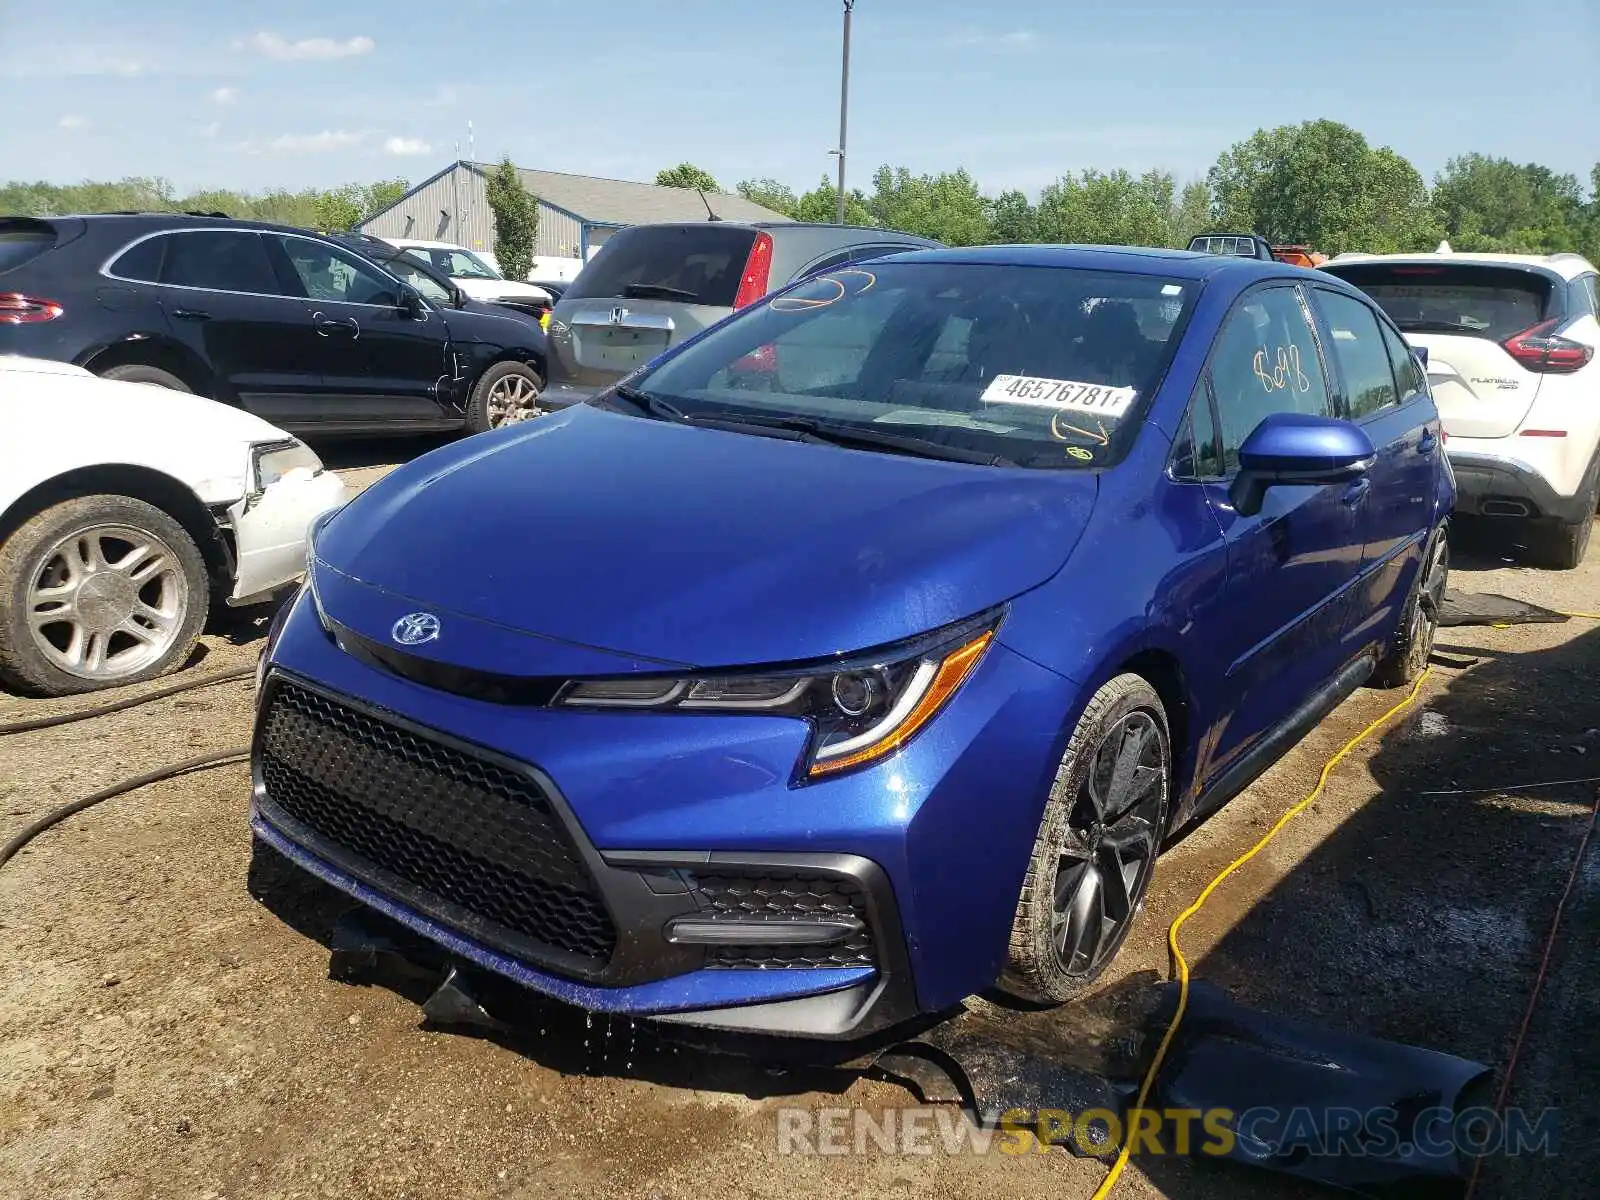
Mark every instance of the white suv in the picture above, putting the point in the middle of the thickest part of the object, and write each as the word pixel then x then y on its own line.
pixel 473 275
pixel 1510 342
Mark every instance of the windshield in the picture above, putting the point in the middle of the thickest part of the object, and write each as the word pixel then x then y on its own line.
pixel 1474 300
pixel 1044 367
pixel 458 264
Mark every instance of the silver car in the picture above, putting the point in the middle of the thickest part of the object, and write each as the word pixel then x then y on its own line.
pixel 651 286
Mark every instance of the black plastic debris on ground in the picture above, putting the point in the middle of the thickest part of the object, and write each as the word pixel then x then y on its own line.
pixel 1485 608
pixel 1373 1117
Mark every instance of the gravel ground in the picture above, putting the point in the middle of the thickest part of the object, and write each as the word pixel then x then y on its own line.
pixel 165 1033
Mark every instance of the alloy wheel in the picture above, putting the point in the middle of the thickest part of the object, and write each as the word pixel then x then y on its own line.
pixel 106 601
pixel 512 398
pixel 1108 855
pixel 1430 600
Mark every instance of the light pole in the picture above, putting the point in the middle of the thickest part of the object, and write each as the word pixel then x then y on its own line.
pixel 844 107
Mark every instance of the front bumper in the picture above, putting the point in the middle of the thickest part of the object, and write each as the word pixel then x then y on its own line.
pixel 1495 485
pixel 269 532
pixel 672 820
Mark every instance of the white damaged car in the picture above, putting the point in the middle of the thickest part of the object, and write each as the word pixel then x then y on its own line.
pixel 126 511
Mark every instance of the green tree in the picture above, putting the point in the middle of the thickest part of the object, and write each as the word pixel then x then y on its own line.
pixel 947 206
pixel 1321 183
pixel 1192 214
pixel 1114 208
pixel 1011 219
pixel 821 204
pixel 375 197
pixel 339 210
pixel 516 220
pixel 687 175
pixel 1496 204
pixel 769 193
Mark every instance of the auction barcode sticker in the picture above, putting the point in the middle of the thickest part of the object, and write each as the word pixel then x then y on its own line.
pixel 1097 398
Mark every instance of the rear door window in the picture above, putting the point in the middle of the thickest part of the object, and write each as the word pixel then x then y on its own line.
pixel 1408 372
pixel 1360 351
pixel 1472 300
pixel 23 242
pixel 693 264
pixel 219 261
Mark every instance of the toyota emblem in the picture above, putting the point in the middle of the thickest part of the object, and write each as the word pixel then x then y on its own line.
pixel 413 629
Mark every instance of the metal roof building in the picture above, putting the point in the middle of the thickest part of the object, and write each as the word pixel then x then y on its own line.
pixel 576 212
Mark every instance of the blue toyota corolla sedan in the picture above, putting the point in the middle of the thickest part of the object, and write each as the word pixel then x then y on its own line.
pixel 861 652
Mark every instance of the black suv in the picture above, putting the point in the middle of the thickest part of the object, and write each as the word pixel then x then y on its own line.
pixel 305 332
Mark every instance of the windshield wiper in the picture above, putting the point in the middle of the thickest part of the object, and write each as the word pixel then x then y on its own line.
pixel 853 436
pixel 657 291
pixel 650 405
pixel 1424 326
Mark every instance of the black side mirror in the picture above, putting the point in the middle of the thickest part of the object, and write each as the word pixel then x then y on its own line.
pixel 1289 449
pixel 458 298
pixel 411 303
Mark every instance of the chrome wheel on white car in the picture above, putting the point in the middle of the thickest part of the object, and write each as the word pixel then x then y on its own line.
pixel 100 590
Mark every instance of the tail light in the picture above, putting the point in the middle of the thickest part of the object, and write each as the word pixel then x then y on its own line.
pixel 1542 349
pixel 757 267
pixel 17 309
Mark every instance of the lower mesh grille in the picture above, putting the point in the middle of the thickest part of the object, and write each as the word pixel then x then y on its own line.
pixel 449 825
pixel 785 896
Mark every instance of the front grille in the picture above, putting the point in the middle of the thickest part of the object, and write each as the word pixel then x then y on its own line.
pixel 785 896
pixel 448 825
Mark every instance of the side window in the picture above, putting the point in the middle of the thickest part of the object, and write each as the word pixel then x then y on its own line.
pixel 141 261
pixel 329 274
pixel 1264 362
pixel 1362 356
pixel 836 259
pixel 221 261
pixel 1198 455
pixel 1407 370
pixel 1585 297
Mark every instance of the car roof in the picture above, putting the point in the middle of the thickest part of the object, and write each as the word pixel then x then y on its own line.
pixel 151 221
pixel 1566 265
pixel 1135 260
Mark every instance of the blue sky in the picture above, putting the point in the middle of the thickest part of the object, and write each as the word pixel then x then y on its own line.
pixel 297 93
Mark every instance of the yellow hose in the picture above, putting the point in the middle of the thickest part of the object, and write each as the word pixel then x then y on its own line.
pixel 1182 963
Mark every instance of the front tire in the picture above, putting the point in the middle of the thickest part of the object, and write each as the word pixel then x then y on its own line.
pixel 98 591
pixel 1419 621
pixel 1095 851
pixel 508 392
pixel 139 373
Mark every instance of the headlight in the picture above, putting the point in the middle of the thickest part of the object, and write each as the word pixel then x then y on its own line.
pixel 271 461
pixel 860 709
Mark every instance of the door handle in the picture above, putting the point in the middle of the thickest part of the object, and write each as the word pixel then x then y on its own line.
pixel 191 314
pixel 1427 442
pixel 329 325
pixel 1353 494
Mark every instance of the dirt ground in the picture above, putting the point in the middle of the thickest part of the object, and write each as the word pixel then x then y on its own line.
pixel 168 1027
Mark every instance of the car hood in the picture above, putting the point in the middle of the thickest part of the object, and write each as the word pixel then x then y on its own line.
pixel 692 546
pixel 501 289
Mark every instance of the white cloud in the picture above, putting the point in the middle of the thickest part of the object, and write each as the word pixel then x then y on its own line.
pixel 315 143
pixel 274 46
pixel 72 121
pixel 994 43
pixel 405 145
pixel 224 95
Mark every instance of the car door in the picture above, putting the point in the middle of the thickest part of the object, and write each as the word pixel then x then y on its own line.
pixel 221 298
pixel 380 365
pixel 1382 389
pixel 1292 565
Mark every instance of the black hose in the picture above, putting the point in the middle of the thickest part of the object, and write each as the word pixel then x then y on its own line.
pixel 100 710
pixel 215 759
